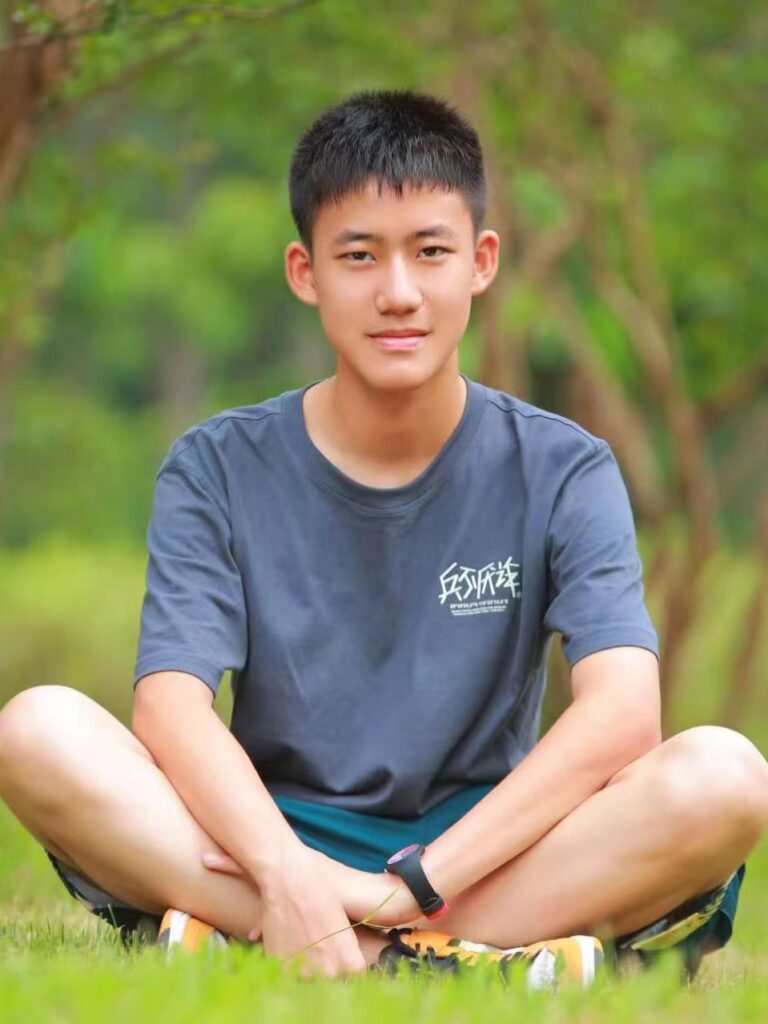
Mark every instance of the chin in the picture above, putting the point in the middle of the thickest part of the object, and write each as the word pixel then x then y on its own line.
pixel 398 378
pixel 392 371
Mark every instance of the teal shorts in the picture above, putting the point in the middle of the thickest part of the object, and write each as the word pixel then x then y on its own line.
pixel 365 841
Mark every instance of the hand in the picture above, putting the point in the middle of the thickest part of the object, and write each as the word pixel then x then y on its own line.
pixel 303 916
pixel 378 898
pixel 360 892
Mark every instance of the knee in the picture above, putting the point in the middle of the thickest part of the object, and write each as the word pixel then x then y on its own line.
pixel 37 724
pixel 714 784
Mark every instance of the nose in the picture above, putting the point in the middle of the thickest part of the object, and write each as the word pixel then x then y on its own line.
pixel 398 292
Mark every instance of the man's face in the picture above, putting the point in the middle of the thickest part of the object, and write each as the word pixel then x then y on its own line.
pixel 383 262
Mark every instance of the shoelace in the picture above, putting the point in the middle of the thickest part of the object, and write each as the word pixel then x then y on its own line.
pixel 433 960
pixel 452 959
pixel 417 958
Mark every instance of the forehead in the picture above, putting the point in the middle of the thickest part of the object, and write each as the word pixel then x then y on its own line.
pixel 371 215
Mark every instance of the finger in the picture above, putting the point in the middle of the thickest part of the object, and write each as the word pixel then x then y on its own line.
pixel 358 966
pixel 223 863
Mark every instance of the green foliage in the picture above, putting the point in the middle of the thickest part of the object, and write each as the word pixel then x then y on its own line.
pixel 71 618
pixel 79 468
pixel 150 225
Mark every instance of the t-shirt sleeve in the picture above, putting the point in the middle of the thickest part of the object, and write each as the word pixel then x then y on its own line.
pixel 193 614
pixel 595 597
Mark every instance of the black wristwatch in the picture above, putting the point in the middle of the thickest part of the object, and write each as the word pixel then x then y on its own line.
pixel 407 864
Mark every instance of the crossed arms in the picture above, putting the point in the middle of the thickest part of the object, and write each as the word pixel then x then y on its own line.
pixel 614 718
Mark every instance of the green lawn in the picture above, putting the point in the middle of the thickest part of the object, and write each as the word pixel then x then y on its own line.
pixel 59 963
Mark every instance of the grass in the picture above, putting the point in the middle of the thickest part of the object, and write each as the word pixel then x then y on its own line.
pixel 58 963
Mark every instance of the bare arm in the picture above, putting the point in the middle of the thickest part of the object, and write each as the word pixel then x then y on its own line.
pixel 173 716
pixel 614 719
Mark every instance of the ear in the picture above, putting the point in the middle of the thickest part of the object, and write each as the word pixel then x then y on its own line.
pixel 486 261
pixel 298 273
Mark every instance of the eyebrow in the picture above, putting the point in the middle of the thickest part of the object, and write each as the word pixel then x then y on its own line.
pixel 435 231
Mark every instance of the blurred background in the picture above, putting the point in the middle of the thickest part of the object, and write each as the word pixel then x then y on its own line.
pixel 144 152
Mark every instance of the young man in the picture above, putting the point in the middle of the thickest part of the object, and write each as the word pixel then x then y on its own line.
pixel 382 557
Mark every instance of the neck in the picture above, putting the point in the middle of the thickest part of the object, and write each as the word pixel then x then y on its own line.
pixel 389 428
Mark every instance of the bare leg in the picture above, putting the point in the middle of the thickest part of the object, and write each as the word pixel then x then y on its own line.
pixel 676 822
pixel 92 794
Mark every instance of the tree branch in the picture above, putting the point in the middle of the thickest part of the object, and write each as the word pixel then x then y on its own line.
pixel 129 74
pixel 211 11
pixel 744 677
pixel 613 414
pixel 743 387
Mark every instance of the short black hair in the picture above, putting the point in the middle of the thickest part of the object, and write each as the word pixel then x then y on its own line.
pixel 393 136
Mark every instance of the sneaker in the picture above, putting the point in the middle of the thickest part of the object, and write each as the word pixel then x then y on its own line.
pixel 581 955
pixel 180 929
pixel 638 950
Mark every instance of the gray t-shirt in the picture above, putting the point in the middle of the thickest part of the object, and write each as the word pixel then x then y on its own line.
pixel 388 646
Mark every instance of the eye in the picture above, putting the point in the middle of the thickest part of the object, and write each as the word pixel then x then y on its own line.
pixel 435 248
pixel 358 252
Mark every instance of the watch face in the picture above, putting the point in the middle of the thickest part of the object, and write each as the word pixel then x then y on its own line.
pixel 402 853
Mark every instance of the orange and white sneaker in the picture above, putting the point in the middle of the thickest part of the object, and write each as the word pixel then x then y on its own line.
pixel 580 956
pixel 179 929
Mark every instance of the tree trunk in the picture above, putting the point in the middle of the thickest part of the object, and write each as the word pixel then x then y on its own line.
pixel 744 677
pixel 182 385
pixel 28 76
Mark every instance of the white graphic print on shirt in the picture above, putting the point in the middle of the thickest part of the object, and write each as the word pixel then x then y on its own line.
pixel 477 591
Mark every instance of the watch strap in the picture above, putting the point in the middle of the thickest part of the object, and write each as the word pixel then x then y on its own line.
pixel 411 870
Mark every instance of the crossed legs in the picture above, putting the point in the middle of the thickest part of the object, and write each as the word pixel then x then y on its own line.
pixel 672 824
pixel 675 823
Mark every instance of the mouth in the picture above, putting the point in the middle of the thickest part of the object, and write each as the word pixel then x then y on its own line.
pixel 403 338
